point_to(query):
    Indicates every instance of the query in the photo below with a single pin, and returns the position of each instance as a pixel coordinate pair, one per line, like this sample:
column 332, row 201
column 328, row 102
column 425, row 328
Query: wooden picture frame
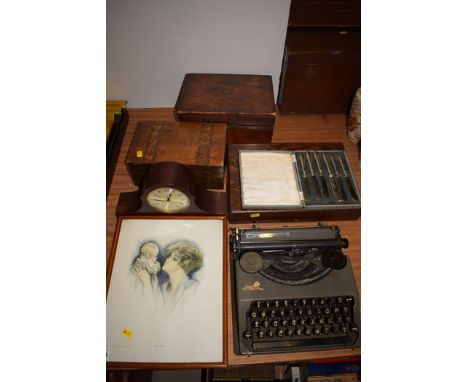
column 167, row 293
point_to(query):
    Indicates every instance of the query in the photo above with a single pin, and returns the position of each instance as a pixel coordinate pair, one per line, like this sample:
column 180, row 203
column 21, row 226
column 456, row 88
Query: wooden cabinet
column 322, row 57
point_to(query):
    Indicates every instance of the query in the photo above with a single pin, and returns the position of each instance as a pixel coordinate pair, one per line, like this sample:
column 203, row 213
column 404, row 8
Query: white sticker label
column 295, row 374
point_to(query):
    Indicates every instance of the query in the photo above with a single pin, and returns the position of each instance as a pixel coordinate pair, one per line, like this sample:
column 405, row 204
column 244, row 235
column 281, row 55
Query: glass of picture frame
column 166, row 287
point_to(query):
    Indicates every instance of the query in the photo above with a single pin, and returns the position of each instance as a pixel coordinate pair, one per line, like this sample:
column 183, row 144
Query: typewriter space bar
column 301, row 343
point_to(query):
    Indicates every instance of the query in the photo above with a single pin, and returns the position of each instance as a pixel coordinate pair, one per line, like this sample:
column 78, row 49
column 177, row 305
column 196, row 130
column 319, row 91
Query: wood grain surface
column 287, row 129
column 200, row 146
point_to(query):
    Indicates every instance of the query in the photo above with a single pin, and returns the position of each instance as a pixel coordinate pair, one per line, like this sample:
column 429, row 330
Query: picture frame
column 166, row 293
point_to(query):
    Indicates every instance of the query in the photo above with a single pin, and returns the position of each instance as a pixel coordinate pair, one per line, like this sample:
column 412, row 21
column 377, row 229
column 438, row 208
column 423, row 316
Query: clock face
column 168, row 200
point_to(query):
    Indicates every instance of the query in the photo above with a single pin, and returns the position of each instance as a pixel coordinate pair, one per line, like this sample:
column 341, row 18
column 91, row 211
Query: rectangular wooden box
column 200, row 146
column 238, row 214
column 245, row 102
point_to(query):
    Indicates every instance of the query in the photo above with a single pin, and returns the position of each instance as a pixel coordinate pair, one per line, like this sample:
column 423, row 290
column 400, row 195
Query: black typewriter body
column 293, row 290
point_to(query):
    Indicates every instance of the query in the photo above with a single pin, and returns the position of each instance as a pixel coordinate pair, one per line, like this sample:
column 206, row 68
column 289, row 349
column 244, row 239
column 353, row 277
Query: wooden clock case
column 172, row 174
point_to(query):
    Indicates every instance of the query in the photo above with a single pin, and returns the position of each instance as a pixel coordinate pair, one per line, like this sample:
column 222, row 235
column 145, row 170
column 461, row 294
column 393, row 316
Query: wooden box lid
column 200, row 146
column 236, row 99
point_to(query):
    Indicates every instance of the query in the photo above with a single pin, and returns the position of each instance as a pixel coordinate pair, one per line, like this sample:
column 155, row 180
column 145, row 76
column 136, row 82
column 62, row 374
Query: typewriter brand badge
column 250, row 288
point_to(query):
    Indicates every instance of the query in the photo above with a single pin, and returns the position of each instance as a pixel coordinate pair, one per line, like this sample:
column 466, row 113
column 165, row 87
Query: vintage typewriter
column 294, row 290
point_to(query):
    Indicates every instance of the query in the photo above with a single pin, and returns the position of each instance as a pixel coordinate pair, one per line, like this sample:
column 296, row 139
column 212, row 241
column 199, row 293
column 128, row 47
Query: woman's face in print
column 172, row 261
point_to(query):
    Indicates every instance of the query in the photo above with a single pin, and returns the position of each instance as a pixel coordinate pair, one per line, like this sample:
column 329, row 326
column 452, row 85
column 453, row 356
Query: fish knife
column 323, row 183
column 305, row 189
column 348, row 181
column 339, row 180
column 335, row 187
column 313, row 183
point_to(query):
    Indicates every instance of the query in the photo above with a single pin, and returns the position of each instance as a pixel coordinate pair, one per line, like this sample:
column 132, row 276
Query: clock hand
column 169, row 197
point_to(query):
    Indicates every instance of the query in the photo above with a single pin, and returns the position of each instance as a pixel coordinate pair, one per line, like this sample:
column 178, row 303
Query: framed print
column 166, row 292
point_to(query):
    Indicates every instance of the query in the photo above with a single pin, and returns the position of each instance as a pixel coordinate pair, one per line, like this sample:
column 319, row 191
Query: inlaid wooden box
column 245, row 102
column 200, row 146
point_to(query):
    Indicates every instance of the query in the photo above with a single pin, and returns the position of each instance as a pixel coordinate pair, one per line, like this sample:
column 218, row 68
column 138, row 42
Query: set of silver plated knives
column 326, row 178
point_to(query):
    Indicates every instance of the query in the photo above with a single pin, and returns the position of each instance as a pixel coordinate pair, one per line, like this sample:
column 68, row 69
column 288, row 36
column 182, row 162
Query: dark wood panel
column 304, row 100
column 319, row 83
column 325, row 13
column 320, row 69
column 113, row 145
column 323, row 40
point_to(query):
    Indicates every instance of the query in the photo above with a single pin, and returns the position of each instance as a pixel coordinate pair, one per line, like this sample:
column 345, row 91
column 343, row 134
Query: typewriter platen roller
column 294, row 290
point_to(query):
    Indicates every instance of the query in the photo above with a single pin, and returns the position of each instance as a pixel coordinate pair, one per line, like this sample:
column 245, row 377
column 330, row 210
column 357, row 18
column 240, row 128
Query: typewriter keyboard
column 309, row 322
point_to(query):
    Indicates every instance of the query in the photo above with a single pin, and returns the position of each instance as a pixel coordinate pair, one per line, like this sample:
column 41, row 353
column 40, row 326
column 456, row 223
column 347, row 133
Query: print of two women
column 170, row 281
